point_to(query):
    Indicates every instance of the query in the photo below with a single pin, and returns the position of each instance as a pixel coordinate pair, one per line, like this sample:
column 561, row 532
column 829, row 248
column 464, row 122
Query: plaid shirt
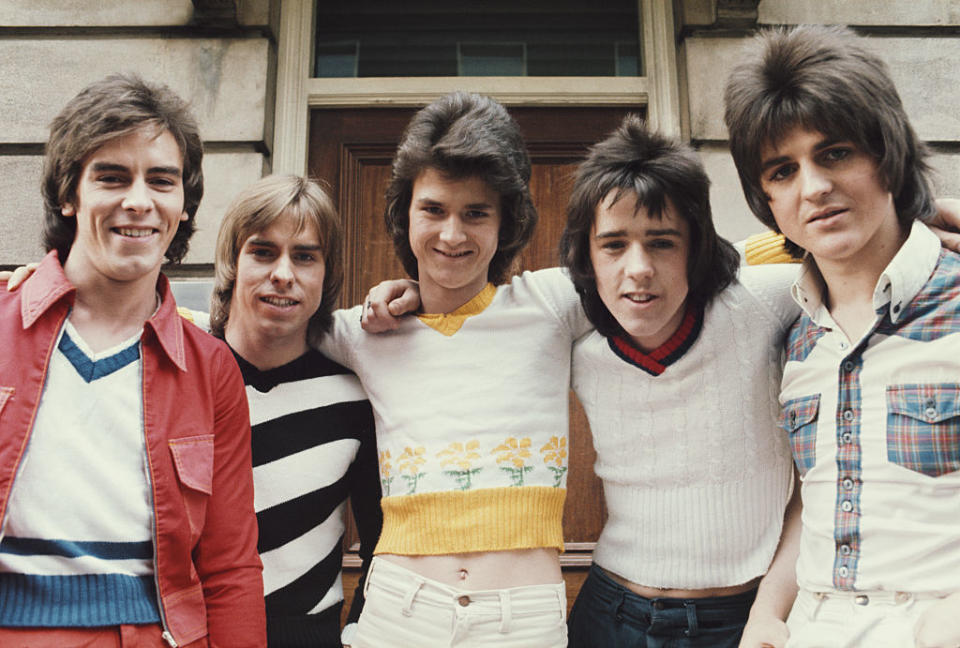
column 874, row 425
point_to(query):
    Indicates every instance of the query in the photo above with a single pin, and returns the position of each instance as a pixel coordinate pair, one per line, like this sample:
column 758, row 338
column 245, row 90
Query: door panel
column 351, row 149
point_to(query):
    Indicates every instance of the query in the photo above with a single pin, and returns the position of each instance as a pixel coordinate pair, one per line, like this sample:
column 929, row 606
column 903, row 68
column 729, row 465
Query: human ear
column 67, row 210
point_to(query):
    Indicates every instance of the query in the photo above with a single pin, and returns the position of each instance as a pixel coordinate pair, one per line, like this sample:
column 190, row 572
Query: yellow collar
column 450, row 323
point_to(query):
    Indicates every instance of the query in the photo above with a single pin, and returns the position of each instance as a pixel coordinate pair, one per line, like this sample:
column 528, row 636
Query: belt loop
column 821, row 597
column 407, row 610
column 693, row 629
column 618, row 611
column 506, row 615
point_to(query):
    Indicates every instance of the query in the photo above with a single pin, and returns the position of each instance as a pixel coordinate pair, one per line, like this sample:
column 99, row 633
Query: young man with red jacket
column 126, row 493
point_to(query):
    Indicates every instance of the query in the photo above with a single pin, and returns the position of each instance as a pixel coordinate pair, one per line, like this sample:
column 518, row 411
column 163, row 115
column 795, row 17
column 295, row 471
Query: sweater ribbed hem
column 487, row 519
column 79, row 601
column 696, row 537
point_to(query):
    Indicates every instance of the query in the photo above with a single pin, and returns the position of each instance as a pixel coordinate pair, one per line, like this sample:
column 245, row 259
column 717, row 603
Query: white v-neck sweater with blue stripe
column 76, row 549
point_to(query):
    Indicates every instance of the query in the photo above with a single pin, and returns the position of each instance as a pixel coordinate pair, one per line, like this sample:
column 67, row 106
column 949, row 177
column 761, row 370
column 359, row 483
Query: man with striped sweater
column 278, row 276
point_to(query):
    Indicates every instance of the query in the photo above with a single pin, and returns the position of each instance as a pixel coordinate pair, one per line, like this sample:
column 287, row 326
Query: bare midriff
column 486, row 570
column 660, row 592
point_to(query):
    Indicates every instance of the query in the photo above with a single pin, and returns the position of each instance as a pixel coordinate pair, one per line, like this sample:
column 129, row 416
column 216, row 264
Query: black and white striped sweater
column 313, row 447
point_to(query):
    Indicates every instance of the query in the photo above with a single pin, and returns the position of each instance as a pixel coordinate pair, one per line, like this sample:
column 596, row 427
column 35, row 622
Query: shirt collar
column 48, row 286
column 908, row 271
column 898, row 284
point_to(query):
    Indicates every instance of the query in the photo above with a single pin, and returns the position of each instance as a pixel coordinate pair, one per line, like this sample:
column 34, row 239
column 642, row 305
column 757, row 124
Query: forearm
column 778, row 588
column 766, row 627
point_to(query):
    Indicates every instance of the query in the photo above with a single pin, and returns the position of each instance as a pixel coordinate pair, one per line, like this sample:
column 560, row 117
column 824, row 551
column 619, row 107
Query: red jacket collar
column 48, row 285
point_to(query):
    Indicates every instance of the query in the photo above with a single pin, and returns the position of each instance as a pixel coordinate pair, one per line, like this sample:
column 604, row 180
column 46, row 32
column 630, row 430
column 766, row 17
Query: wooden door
column 351, row 149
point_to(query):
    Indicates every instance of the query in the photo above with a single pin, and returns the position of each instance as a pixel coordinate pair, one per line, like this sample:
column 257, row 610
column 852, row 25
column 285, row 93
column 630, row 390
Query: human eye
column 477, row 214
column 260, row 253
column 305, row 257
column 780, row 173
column 612, row 245
column 433, row 210
column 110, row 178
column 837, row 153
column 163, row 181
column 662, row 244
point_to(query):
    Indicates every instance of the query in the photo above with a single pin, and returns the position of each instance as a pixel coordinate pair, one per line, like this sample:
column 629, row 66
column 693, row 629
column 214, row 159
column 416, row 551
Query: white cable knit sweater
column 695, row 472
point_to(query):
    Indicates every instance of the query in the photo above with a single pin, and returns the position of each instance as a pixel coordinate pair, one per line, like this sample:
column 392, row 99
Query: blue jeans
column 607, row 615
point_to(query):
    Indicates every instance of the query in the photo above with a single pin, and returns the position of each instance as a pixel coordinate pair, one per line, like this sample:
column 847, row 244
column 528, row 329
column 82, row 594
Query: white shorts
column 406, row 610
column 854, row 619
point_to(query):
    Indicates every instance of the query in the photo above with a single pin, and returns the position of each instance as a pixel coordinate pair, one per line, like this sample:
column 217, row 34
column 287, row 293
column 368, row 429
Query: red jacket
column 197, row 433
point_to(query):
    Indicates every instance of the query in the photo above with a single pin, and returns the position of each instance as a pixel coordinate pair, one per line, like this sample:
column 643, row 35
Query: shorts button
column 464, row 600
column 862, row 599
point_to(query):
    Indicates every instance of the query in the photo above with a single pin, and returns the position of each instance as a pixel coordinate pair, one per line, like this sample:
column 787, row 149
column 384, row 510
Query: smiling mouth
column 640, row 298
column 453, row 255
column 279, row 301
column 134, row 232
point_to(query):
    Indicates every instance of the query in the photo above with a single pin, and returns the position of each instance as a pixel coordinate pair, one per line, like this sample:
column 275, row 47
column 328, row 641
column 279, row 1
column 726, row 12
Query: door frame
column 297, row 92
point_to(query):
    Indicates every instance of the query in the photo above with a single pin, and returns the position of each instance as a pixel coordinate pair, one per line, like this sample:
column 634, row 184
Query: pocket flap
column 796, row 413
column 932, row 402
column 193, row 457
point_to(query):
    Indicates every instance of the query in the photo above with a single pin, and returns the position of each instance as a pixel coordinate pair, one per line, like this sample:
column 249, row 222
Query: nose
column 451, row 231
column 637, row 263
column 282, row 272
column 137, row 198
column 815, row 182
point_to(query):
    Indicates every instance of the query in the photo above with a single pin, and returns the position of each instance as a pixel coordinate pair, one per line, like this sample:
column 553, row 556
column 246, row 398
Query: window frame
column 297, row 92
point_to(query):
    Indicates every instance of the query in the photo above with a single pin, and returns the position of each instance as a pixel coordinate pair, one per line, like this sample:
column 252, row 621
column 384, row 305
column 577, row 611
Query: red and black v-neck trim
column 657, row 361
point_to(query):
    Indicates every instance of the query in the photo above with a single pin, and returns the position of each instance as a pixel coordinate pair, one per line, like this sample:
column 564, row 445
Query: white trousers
column 856, row 619
column 406, row 610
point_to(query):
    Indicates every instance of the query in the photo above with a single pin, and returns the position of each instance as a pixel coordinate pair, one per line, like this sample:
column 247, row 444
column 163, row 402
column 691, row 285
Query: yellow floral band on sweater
column 459, row 461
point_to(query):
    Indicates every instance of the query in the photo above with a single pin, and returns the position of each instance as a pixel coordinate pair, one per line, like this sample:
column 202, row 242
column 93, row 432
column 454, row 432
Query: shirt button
column 848, row 366
column 846, row 437
column 464, row 601
column 847, row 484
column 843, row 345
column 848, row 415
column 846, row 506
column 845, row 550
column 931, row 410
column 843, row 571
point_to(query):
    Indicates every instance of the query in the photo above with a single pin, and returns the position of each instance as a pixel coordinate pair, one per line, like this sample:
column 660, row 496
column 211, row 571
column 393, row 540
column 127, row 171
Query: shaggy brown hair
column 823, row 79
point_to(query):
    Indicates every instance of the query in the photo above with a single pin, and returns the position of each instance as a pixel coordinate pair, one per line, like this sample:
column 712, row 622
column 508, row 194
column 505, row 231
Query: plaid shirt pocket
column 798, row 417
column 923, row 427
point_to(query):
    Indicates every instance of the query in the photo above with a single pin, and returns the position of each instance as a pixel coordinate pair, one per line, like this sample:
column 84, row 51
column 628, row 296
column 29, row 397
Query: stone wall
column 920, row 41
column 50, row 49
